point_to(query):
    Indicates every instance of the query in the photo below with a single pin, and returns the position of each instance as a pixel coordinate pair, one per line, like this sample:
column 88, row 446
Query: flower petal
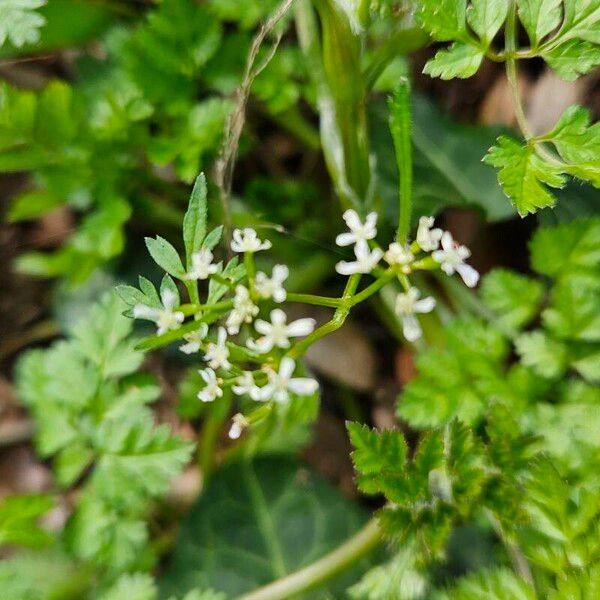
column 301, row 327
column 469, row 275
column 303, row 386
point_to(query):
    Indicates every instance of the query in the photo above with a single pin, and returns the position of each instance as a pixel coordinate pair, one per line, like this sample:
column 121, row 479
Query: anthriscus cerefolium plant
column 487, row 484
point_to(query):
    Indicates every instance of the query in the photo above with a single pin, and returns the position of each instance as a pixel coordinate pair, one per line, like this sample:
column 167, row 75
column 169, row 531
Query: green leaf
column 573, row 59
column 19, row 21
column 39, row 575
column 136, row 457
column 213, row 238
column 445, row 20
column 32, row 205
column 135, row 586
column 375, row 453
column 486, row 17
column 546, row 356
column 523, row 174
column 257, row 522
column 578, row 143
column 103, row 338
column 574, row 311
column 514, row 298
column 18, row 520
column 460, row 60
column 194, row 221
column 582, row 20
column 539, row 17
column 498, row 584
column 165, row 256
column 563, row 249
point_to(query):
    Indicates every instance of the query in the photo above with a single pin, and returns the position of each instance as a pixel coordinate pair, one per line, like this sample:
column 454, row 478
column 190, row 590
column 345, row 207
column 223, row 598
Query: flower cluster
column 241, row 338
column 405, row 259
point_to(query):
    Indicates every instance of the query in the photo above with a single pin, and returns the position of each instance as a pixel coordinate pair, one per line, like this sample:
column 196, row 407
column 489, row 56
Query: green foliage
column 257, row 522
column 92, row 418
column 565, row 34
column 523, row 172
column 18, row 516
column 19, row 21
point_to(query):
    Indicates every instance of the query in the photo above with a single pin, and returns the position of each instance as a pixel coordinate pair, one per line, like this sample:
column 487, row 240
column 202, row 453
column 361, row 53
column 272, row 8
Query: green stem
column 510, row 41
column 338, row 319
column 313, row 299
column 373, row 288
column 210, row 433
column 337, row 561
column 400, row 126
column 510, row 36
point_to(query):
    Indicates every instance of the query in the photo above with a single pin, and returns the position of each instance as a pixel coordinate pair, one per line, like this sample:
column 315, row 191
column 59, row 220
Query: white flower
column 238, row 424
column 406, row 306
column 428, row 238
column 211, row 391
column 281, row 383
column 202, row 265
column 272, row 287
column 244, row 310
column 246, row 240
column 245, row 386
column 278, row 331
column 217, row 355
column 194, row 339
column 400, row 255
column 165, row 318
column 452, row 257
column 359, row 231
column 366, row 260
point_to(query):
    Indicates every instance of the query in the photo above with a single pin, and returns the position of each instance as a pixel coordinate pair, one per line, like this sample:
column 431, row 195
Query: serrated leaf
column 581, row 20
column 515, row 299
column 523, row 174
column 573, row 59
column 539, row 17
column 445, row 20
column 257, row 522
column 136, row 457
column 165, row 256
column 565, row 248
column 194, row 221
column 578, row 143
column 460, row 60
column 135, row 586
column 500, row 584
column 545, row 356
column 486, row 17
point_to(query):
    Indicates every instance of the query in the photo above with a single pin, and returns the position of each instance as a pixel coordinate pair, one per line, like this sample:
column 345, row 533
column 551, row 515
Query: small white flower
column 359, row 231
column 246, row 240
column 202, row 265
column 194, row 339
column 428, row 238
column 272, row 287
column 366, row 260
column 281, row 383
column 211, row 391
column 217, row 355
column 406, row 306
column 244, row 310
column 238, row 424
column 278, row 331
column 165, row 318
column 245, row 386
column 452, row 257
column 399, row 255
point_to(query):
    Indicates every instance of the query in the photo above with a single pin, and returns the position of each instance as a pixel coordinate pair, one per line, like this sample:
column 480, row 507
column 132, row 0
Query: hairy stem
column 337, row 561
